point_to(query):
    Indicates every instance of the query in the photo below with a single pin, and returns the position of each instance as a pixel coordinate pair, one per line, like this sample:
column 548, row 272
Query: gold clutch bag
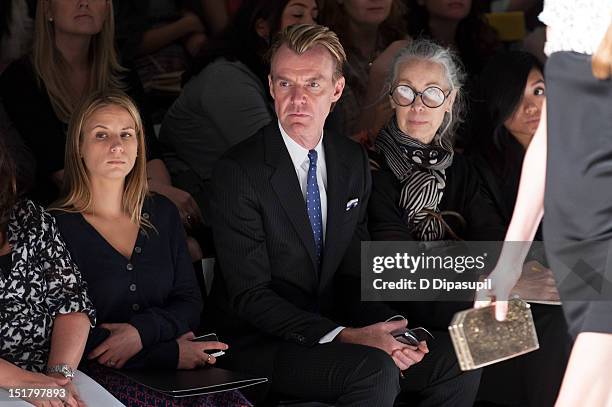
column 480, row 340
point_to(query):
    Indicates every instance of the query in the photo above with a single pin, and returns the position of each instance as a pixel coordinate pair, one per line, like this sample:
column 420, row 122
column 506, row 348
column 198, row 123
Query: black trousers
column 356, row 375
column 437, row 379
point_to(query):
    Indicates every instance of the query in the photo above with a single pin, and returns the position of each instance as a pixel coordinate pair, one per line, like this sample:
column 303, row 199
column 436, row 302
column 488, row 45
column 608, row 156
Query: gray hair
column 427, row 50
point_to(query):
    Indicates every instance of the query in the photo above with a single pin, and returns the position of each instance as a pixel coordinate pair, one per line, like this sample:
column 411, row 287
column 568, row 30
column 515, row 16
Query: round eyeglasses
column 432, row 97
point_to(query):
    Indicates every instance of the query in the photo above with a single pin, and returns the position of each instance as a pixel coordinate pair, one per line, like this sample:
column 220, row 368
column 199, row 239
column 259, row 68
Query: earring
column 50, row 19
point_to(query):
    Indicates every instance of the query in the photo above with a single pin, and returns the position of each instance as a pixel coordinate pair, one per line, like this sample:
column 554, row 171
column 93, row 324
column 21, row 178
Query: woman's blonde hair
column 76, row 190
column 50, row 66
column 601, row 63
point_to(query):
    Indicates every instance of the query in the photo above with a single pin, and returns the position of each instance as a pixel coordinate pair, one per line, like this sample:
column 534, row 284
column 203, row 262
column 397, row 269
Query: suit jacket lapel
column 337, row 184
column 287, row 188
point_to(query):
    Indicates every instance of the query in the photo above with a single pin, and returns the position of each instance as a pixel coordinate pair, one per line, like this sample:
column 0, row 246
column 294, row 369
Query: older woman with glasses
column 421, row 189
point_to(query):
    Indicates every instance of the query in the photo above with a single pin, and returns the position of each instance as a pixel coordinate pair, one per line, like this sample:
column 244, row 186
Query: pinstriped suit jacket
column 267, row 286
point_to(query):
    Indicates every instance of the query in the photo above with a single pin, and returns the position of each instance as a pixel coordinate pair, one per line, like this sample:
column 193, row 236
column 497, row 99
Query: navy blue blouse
column 155, row 290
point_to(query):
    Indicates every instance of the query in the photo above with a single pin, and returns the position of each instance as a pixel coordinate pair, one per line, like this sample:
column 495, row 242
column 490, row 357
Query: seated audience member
column 415, row 197
column 371, row 34
column 45, row 312
column 53, row 90
column 288, row 251
column 130, row 247
column 73, row 57
column 460, row 26
column 227, row 100
column 421, row 189
column 158, row 36
column 508, row 102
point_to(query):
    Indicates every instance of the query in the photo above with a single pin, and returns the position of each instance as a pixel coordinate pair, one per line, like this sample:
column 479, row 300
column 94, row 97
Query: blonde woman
column 570, row 158
column 74, row 56
column 130, row 247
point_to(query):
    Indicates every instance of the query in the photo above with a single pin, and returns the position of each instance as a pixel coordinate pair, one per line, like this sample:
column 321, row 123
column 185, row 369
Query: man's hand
column 123, row 343
column 379, row 336
column 187, row 206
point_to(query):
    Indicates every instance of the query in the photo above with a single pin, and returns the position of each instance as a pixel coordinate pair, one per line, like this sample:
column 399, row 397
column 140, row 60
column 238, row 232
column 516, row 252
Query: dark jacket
column 155, row 290
column 267, row 289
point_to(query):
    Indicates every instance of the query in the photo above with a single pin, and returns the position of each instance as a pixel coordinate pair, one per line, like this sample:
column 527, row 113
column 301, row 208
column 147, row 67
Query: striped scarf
column 420, row 168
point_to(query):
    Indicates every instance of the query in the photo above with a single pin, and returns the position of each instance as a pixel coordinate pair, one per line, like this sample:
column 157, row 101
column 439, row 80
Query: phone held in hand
column 211, row 337
column 412, row 337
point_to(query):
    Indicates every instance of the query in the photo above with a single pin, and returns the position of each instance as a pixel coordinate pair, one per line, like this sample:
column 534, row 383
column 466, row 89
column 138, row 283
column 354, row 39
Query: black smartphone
column 212, row 337
column 412, row 337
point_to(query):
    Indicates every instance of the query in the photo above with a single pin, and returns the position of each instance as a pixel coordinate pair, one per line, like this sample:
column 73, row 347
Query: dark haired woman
column 460, row 26
column 505, row 117
column 227, row 100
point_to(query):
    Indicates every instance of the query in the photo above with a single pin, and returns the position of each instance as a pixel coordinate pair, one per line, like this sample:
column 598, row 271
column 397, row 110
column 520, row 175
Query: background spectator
column 73, row 56
column 371, row 33
column 227, row 99
column 459, row 25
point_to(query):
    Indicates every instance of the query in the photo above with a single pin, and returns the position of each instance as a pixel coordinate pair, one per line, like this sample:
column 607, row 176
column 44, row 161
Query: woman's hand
column 123, row 343
column 193, row 353
column 32, row 380
column 72, row 399
column 503, row 279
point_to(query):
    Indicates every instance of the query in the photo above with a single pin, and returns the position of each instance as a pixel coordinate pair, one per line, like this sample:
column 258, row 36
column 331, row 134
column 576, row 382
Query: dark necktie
column 313, row 204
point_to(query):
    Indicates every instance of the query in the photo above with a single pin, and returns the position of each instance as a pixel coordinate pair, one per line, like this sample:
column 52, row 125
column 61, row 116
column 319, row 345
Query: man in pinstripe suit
column 289, row 213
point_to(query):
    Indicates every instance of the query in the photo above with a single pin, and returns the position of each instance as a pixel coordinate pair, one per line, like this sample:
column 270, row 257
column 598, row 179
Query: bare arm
column 160, row 182
column 10, row 375
column 157, row 174
column 158, row 37
column 68, row 339
column 529, row 207
column 67, row 345
column 528, row 212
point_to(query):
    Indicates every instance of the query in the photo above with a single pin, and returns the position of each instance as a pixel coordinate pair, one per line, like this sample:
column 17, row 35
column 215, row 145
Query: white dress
column 575, row 25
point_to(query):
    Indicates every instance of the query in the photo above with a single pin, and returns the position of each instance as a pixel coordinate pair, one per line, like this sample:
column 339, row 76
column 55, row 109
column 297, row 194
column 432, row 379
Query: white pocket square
column 352, row 203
